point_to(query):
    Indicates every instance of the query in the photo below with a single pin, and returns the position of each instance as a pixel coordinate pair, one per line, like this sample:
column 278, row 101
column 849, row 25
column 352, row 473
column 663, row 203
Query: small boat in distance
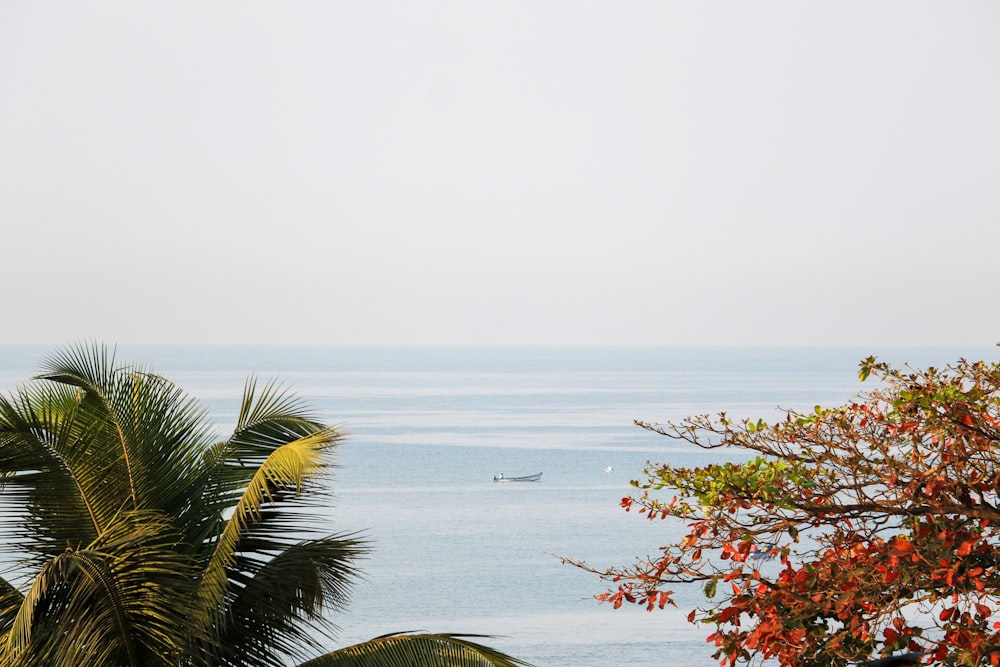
column 526, row 478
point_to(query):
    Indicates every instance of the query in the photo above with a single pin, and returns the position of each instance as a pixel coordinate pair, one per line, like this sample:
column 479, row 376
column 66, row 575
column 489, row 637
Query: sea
column 428, row 428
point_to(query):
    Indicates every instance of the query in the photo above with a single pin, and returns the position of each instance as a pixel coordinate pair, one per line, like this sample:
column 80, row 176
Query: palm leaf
column 151, row 428
column 268, row 419
column 279, row 606
column 118, row 602
column 40, row 441
column 417, row 650
column 286, row 470
column 148, row 543
column 92, row 369
column 10, row 602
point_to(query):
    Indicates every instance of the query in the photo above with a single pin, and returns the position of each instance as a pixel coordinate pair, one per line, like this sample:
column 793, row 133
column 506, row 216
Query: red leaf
column 900, row 546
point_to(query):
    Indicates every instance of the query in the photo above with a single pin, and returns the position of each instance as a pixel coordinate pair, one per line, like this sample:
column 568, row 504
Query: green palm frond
column 120, row 601
column 268, row 418
column 140, row 540
column 92, row 370
column 154, row 577
column 40, row 444
column 150, row 425
column 280, row 606
column 81, row 365
column 417, row 650
column 70, row 459
column 34, row 637
column 285, row 471
column 11, row 600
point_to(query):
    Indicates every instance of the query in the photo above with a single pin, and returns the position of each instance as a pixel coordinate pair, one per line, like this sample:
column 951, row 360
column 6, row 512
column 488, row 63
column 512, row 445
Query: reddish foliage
column 881, row 514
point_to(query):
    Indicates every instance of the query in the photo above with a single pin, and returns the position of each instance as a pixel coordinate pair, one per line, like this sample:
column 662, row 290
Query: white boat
column 525, row 478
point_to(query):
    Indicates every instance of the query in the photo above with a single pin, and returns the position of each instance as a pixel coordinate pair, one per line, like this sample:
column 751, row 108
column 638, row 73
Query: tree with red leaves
column 883, row 517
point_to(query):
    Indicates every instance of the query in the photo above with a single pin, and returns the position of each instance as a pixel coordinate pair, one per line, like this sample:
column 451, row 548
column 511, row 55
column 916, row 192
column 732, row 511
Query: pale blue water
column 429, row 427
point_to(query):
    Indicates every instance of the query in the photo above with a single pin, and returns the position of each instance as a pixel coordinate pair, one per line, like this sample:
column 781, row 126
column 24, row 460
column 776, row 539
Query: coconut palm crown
column 134, row 536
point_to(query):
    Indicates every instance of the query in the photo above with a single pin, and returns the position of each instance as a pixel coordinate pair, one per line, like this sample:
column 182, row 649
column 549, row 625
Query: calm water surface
column 430, row 427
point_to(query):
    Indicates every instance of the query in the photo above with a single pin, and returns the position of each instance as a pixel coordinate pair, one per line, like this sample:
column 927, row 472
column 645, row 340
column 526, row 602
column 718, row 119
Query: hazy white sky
column 551, row 172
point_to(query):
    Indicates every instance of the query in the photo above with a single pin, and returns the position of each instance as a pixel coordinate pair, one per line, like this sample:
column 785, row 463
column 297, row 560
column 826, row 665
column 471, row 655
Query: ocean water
column 430, row 427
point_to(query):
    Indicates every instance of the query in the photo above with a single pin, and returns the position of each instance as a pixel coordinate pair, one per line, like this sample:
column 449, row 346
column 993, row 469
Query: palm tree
column 138, row 537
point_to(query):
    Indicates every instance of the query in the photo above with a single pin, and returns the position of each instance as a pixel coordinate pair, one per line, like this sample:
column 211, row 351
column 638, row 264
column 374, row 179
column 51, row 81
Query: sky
column 543, row 172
